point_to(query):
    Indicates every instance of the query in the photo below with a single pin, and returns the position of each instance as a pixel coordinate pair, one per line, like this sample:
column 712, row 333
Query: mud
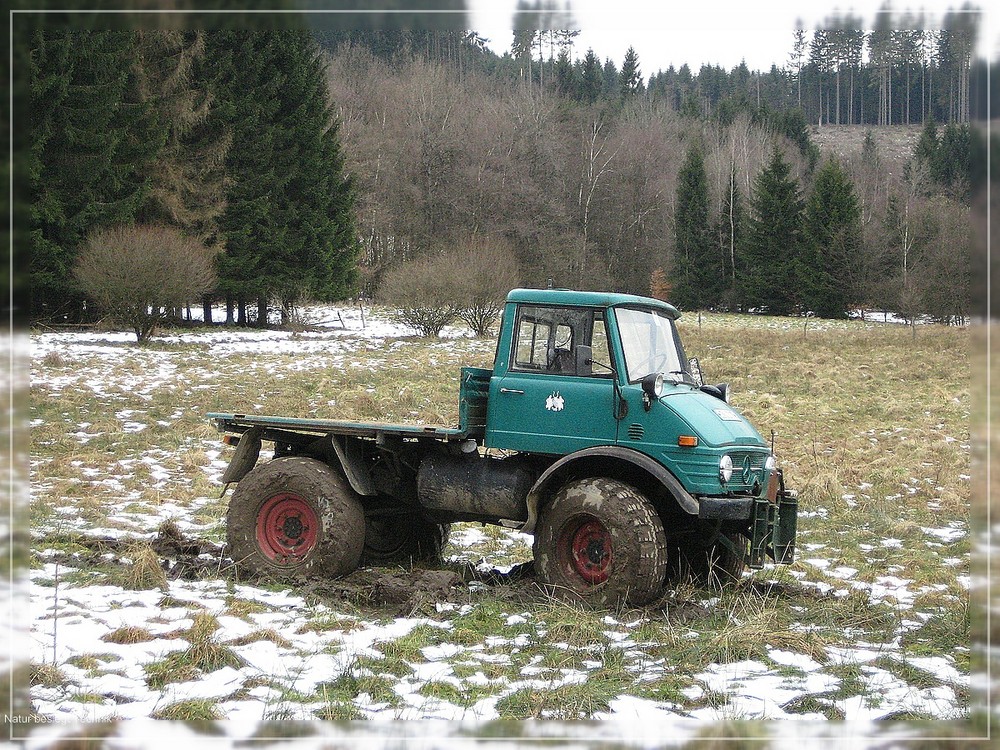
column 416, row 590
column 394, row 591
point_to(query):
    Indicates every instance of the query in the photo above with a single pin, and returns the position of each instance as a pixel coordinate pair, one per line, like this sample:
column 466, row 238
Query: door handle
column 511, row 390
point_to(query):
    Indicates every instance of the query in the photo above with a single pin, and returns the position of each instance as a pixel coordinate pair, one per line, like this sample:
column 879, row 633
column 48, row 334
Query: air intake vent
column 635, row 431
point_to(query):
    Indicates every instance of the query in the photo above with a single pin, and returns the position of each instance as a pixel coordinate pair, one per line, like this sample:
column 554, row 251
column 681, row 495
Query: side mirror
column 584, row 361
column 694, row 367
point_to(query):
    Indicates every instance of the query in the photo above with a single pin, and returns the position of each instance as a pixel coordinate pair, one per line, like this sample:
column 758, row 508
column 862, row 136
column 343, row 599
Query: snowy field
column 120, row 455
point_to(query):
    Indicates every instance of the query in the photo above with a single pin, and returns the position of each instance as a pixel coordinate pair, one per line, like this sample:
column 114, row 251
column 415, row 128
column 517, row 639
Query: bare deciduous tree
column 468, row 282
column 489, row 271
column 138, row 273
column 424, row 293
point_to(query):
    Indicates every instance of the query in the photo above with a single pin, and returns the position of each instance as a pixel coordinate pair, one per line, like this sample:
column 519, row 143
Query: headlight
column 725, row 469
column 652, row 385
column 771, row 463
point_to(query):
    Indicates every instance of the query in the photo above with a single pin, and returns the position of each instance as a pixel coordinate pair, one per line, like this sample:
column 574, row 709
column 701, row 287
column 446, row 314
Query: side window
column 599, row 343
column 546, row 339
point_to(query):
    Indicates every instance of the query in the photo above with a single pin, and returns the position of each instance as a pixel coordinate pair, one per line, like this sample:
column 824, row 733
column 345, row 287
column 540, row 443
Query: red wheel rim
column 588, row 550
column 287, row 529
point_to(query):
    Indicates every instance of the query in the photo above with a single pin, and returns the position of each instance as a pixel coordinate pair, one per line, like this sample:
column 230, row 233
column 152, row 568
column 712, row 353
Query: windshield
column 650, row 342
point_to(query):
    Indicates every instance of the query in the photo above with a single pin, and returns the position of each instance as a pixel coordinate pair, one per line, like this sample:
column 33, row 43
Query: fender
column 245, row 458
column 639, row 460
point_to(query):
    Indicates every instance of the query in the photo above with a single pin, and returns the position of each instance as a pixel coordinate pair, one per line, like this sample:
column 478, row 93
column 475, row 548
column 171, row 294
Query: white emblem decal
column 554, row 402
column 727, row 415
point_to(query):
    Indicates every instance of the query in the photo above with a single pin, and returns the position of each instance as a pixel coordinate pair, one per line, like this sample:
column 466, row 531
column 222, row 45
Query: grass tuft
column 145, row 572
column 46, row 675
column 267, row 634
column 128, row 634
column 190, row 710
column 204, row 654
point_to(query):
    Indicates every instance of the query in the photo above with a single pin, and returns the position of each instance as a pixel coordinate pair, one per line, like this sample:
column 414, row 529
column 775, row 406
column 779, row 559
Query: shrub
column 139, row 273
column 490, row 271
column 469, row 283
column 425, row 293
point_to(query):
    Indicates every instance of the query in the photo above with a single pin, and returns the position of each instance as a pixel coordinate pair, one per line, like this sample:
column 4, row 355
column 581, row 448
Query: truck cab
column 593, row 431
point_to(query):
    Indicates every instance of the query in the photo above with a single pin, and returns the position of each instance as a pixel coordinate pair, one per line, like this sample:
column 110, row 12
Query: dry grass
column 145, row 571
column 267, row 634
column 872, row 426
column 754, row 626
column 128, row 634
column 190, row 710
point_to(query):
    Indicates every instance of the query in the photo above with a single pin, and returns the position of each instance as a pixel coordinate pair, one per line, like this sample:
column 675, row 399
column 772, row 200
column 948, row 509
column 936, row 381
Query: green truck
column 593, row 432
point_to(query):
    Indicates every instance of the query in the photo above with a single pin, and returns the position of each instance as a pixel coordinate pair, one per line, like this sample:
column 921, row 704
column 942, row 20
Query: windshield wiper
column 686, row 377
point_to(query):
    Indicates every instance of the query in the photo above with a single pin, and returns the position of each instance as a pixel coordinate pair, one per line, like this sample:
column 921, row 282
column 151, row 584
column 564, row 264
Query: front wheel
column 602, row 542
column 295, row 517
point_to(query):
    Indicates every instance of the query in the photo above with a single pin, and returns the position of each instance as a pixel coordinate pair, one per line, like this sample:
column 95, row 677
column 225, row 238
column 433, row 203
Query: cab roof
column 588, row 299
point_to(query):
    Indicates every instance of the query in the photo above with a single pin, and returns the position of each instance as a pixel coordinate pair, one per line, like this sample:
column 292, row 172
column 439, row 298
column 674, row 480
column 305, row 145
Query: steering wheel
column 656, row 362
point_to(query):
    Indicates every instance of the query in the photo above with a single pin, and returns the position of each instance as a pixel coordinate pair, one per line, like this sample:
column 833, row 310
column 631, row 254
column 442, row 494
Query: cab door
column 552, row 391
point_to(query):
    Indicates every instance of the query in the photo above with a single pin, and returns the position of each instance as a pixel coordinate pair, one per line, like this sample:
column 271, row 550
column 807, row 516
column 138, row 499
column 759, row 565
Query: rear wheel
column 602, row 542
column 402, row 537
column 295, row 517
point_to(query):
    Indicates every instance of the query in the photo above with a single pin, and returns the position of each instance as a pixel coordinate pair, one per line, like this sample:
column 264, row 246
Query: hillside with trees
column 314, row 164
column 597, row 183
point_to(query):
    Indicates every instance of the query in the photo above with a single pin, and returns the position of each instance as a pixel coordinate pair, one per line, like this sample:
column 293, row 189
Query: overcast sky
column 717, row 32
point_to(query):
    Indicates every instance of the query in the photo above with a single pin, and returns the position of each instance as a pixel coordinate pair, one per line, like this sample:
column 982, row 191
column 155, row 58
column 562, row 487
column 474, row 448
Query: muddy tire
column 600, row 541
column 293, row 518
column 402, row 538
column 712, row 566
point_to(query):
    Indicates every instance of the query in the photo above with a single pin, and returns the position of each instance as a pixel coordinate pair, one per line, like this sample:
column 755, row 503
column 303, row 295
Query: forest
column 314, row 163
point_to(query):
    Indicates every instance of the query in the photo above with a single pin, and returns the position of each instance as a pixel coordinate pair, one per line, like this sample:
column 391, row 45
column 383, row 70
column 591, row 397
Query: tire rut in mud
column 392, row 591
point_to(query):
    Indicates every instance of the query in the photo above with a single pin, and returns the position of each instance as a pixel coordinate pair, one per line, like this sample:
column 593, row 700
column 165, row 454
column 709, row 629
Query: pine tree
column 611, row 88
column 288, row 221
column 91, row 148
column 630, row 77
column 696, row 275
column 322, row 244
column 247, row 85
column 797, row 56
column 592, row 78
column 567, row 82
column 832, row 241
column 772, row 253
column 926, row 148
column 187, row 181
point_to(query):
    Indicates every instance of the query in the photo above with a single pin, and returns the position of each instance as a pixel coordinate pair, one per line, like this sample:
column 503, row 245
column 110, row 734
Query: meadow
column 135, row 613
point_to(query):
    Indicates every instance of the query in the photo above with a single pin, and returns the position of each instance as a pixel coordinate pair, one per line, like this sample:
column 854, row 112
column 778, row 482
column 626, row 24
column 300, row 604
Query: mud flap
column 245, row 458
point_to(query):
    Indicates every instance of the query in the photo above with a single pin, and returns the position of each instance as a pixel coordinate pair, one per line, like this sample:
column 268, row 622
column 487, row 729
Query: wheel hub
column 287, row 529
column 591, row 552
column 293, row 527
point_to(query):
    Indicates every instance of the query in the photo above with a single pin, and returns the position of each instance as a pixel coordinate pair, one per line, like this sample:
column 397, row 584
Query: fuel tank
column 474, row 487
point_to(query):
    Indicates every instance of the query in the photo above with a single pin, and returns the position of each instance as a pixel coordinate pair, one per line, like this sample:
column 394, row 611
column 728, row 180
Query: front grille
column 756, row 459
column 756, row 473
